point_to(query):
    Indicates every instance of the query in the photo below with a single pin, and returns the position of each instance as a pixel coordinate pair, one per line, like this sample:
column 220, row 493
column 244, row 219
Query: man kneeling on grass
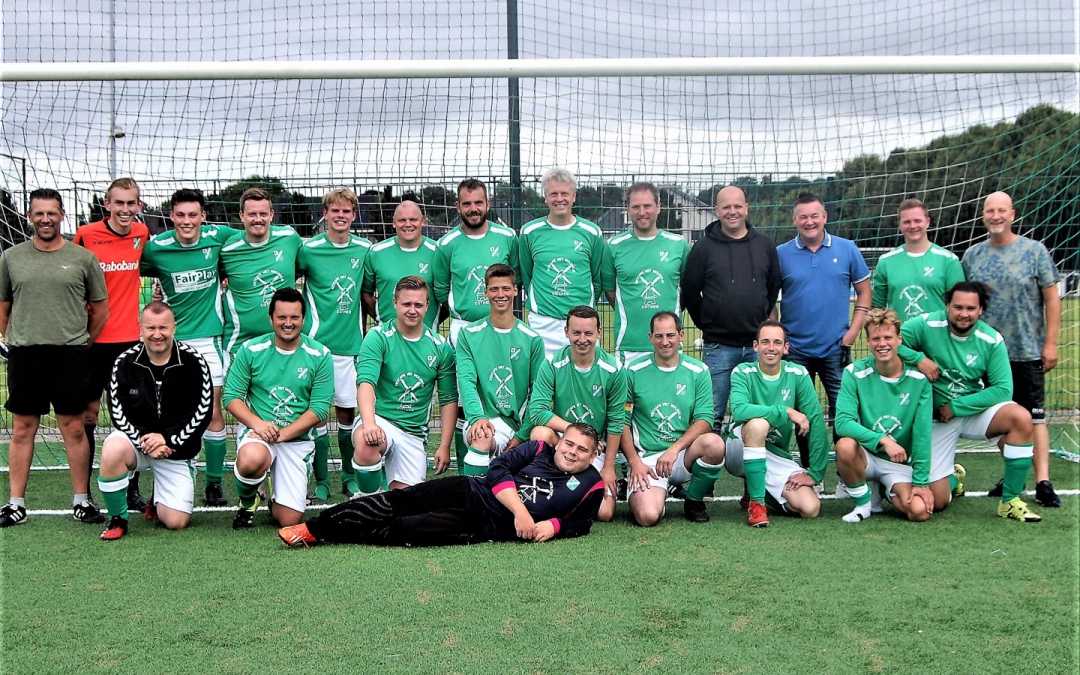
column 883, row 415
column 534, row 492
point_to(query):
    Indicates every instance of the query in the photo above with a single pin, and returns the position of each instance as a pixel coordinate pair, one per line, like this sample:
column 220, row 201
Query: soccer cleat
column 1045, row 495
column 756, row 515
column 960, row 472
column 858, row 514
column 622, row 486
column 296, row 535
column 12, row 514
column 151, row 511
column 841, row 489
column 1018, row 510
column 135, row 501
column 245, row 518
column 695, row 511
column 996, row 490
column 88, row 512
column 215, row 496
column 117, row 528
column 676, row 491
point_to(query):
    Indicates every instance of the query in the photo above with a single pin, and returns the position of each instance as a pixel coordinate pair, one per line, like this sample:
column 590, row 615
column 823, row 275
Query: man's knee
column 117, row 455
column 710, row 448
column 755, row 431
column 252, row 460
column 24, row 428
column 846, row 450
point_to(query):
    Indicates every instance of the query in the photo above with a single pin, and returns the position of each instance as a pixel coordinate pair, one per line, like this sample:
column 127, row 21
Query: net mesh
column 862, row 142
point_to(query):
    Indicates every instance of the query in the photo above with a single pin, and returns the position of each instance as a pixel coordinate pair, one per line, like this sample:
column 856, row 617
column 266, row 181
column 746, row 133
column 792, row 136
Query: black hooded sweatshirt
column 730, row 285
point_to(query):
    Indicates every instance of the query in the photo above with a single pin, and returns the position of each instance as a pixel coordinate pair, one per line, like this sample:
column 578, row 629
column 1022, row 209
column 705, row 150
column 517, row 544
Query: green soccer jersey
column 333, row 274
column 496, row 368
column 871, row 407
column 561, row 265
column 254, row 272
column 387, row 263
column 460, row 262
column 644, row 274
column 279, row 386
column 596, row 396
column 189, row 279
column 405, row 373
column 915, row 283
column 756, row 395
column 975, row 371
column 666, row 401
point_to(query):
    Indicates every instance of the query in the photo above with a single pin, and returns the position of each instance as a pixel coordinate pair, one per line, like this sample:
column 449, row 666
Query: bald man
column 730, row 286
column 1026, row 309
column 409, row 253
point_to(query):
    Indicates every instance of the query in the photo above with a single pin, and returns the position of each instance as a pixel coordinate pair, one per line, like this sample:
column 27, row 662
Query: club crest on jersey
column 354, row 263
column 905, row 398
column 666, row 414
column 431, row 360
column 423, row 268
column 279, row 256
column 515, row 353
column 650, row 294
column 955, row 380
column 502, row 375
column 664, row 256
column 578, row 245
column 206, row 253
column 561, row 283
column 301, row 373
column 344, row 286
column 494, row 251
column 135, row 243
column 598, row 390
column 928, row 271
column 267, row 282
column 283, row 399
column 970, row 359
column 573, row 483
column 786, row 393
column 579, row 412
column 409, row 383
column 680, row 389
column 887, row 424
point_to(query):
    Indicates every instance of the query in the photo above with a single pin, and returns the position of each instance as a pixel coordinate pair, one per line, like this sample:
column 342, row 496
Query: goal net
column 863, row 142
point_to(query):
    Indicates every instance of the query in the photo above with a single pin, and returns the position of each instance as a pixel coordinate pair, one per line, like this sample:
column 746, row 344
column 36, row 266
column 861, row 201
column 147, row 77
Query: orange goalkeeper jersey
column 119, row 257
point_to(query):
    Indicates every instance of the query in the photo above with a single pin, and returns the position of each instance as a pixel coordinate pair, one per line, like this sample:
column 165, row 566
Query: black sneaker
column 88, row 512
column 215, row 496
column 1045, row 495
column 996, row 490
column 245, row 518
column 677, row 491
column 12, row 514
column 136, row 502
column 621, row 488
column 695, row 511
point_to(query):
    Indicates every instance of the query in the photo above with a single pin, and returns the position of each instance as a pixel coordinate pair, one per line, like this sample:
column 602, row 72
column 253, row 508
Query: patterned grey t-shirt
column 1016, row 273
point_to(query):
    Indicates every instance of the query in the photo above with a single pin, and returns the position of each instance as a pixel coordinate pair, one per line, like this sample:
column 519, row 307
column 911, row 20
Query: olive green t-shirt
column 48, row 292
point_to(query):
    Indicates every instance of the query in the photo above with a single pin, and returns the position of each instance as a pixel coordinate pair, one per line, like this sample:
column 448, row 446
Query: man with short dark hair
column 535, row 492
column 279, row 386
column 1026, row 309
column 45, row 286
column 160, row 401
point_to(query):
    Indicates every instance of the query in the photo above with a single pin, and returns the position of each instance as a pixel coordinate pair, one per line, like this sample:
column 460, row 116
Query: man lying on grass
column 534, row 492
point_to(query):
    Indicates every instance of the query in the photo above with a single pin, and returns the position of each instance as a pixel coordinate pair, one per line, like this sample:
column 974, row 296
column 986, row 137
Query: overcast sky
column 691, row 131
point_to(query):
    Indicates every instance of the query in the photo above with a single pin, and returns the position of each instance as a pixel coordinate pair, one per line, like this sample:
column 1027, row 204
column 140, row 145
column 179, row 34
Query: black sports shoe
column 215, row 496
column 11, row 514
column 244, row 520
column 1045, row 495
column 621, row 488
column 136, row 502
column 996, row 490
column 677, row 491
column 88, row 512
column 695, row 511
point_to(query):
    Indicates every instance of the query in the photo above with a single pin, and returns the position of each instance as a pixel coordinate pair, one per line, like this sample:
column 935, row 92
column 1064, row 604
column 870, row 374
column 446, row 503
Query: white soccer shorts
column 552, row 330
column 174, row 479
column 210, row 349
column 679, row 473
column 344, row 381
column 289, row 470
column 406, row 455
column 945, row 436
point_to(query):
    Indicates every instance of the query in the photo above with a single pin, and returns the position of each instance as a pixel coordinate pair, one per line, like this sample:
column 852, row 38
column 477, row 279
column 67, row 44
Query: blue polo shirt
column 815, row 304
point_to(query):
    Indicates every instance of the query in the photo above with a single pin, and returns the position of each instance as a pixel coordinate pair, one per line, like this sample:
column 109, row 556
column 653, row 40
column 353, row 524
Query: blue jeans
column 721, row 360
column 830, row 369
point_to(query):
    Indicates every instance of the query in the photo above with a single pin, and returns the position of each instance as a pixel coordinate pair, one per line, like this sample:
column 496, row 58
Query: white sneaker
column 858, row 514
column 841, row 489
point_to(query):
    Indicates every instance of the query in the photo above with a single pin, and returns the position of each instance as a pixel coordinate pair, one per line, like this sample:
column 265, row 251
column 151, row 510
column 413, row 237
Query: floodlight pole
column 514, row 110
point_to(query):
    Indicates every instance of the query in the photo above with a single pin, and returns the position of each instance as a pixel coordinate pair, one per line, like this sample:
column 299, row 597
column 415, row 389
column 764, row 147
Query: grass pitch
column 964, row 593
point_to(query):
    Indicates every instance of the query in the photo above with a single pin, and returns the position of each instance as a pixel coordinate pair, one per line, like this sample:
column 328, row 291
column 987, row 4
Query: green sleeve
column 514, row 260
column 807, row 402
column 525, row 262
column 440, row 274
column 848, row 424
column 368, row 283
column 600, row 255
column 322, row 390
column 616, row 403
column 537, row 359
column 146, row 264
column 237, row 379
column 743, row 409
column 912, row 334
column 921, row 437
column 369, row 362
column 999, row 388
column 466, row 380
column 704, row 408
column 447, row 378
column 954, row 273
column 542, row 396
column 881, row 287
column 607, row 272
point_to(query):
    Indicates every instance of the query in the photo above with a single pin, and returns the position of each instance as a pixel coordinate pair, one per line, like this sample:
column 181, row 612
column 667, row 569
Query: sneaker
column 695, row 511
column 858, row 514
column 677, row 491
column 756, row 515
column 1045, row 495
column 88, row 512
column 622, row 486
column 744, row 501
column 996, row 490
column 960, row 472
column 245, row 518
column 12, row 514
column 841, row 489
column 151, row 511
column 117, row 528
column 296, row 535
column 135, row 501
column 1018, row 510
column 215, row 496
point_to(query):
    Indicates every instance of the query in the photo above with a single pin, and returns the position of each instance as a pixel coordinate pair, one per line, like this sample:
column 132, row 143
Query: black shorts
column 102, row 356
column 1029, row 388
column 40, row 375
